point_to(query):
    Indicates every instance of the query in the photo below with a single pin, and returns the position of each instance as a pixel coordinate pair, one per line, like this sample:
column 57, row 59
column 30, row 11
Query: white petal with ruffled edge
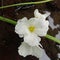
column 21, row 27
column 39, row 15
column 24, row 49
column 32, row 39
column 41, row 26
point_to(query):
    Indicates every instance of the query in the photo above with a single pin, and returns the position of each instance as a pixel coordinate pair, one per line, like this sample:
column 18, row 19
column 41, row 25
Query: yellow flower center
column 31, row 28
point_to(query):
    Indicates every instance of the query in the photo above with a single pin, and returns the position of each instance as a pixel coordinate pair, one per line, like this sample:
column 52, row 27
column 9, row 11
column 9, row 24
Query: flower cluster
column 31, row 30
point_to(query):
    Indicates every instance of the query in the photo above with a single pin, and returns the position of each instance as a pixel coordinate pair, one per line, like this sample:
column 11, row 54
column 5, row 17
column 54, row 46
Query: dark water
column 9, row 41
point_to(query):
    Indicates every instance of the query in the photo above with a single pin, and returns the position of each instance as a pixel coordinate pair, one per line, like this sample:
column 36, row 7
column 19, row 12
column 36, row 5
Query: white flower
column 26, row 49
column 33, row 28
column 30, row 30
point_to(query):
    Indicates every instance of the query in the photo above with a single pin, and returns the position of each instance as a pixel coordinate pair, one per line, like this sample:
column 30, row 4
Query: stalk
column 26, row 3
column 53, row 38
column 8, row 20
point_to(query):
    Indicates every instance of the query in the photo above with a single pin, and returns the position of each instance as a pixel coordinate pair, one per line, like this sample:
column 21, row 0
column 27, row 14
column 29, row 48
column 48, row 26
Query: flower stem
column 14, row 23
column 8, row 20
column 52, row 38
column 26, row 3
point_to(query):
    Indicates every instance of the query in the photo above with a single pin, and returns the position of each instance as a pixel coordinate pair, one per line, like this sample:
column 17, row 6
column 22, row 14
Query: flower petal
column 35, row 21
column 21, row 27
column 46, row 14
column 41, row 32
column 42, row 29
column 24, row 49
column 37, row 14
column 21, row 35
column 23, row 20
column 38, row 22
column 41, row 26
column 32, row 39
column 37, row 51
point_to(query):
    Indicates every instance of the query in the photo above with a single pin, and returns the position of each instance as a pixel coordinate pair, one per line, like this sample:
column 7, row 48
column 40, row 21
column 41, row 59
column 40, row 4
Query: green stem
column 52, row 38
column 7, row 20
column 27, row 3
column 14, row 23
